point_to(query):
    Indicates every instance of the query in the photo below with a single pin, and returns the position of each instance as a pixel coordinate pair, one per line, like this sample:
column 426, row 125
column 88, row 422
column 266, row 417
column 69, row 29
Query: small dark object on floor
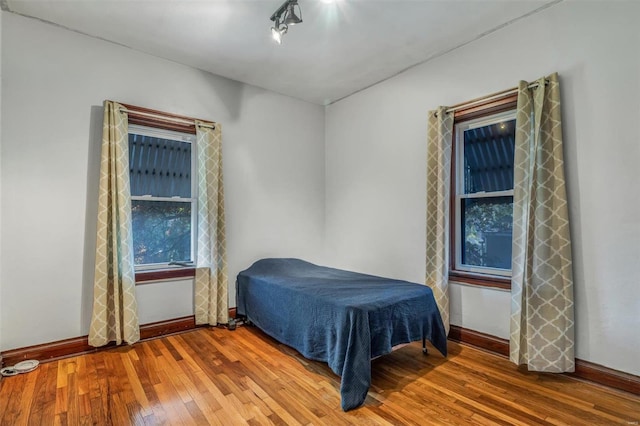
column 232, row 324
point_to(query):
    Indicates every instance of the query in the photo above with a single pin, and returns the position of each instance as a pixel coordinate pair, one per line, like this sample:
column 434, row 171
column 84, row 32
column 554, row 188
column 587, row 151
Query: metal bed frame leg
column 244, row 320
column 424, row 347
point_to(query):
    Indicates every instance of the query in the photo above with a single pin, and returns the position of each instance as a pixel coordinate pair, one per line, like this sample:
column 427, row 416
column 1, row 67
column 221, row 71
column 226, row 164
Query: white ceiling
column 342, row 46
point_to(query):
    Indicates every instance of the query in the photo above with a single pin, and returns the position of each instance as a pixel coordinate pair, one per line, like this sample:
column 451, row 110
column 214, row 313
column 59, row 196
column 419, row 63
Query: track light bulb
column 277, row 32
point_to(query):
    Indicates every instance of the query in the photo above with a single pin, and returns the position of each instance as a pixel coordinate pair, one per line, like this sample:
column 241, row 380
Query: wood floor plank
column 73, row 402
column 202, row 400
column 43, row 401
column 282, row 412
column 171, row 400
column 136, row 385
column 217, row 377
column 256, row 404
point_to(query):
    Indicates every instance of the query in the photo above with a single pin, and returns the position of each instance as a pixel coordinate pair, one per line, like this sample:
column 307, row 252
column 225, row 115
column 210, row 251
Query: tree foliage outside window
column 488, row 226
column 161, row 231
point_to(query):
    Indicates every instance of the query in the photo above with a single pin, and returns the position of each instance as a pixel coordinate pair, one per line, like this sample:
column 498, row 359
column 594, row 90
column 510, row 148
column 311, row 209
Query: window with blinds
column 162, row 196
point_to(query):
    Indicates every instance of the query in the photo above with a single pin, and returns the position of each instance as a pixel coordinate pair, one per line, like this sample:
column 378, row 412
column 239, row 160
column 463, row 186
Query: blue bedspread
column 339, row 317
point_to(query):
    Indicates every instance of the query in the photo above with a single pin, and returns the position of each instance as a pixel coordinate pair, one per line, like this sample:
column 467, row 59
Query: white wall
column 54, row 83
column 375, row 166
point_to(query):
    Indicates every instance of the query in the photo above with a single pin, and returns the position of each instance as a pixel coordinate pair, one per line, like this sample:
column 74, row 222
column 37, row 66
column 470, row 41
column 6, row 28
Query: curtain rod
column 166, row 118
column 490, row 97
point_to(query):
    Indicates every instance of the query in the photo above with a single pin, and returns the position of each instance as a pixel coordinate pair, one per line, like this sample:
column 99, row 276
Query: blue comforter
column 339, row 317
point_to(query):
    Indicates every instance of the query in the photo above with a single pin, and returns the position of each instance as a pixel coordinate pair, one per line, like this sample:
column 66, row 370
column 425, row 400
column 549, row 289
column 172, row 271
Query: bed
column 339, row 317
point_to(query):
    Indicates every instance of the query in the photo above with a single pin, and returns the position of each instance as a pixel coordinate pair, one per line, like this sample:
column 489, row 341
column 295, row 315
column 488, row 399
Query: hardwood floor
column 221, row 377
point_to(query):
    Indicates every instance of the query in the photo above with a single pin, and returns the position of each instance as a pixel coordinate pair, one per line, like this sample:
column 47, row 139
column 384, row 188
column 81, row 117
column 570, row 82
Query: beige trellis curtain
column 211, row 304
column 438, row 187
column 542, row 322
column 115, row 313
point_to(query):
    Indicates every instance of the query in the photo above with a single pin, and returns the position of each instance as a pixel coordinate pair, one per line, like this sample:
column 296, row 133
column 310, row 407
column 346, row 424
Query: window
column 482, row 194
column 163, row 201
column 162, row 160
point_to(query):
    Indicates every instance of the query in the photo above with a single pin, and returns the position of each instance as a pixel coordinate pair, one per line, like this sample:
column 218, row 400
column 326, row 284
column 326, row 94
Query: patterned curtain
column 211, row 304
column 115, row 312
column 438, row 187
column 542, row 323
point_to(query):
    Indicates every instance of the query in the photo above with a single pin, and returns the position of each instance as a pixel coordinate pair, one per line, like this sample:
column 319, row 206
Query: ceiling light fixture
column 284, row 16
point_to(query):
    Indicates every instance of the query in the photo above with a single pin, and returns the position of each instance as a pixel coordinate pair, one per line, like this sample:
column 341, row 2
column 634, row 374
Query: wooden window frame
column 492, row 106
column 160, row 119
column 144, row 277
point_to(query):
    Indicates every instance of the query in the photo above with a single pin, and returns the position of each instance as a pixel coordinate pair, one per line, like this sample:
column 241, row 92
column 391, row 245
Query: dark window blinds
column 159, row 167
